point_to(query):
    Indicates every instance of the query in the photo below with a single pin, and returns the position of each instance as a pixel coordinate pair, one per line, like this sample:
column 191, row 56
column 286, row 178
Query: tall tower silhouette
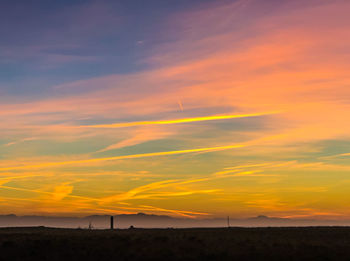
column 112, row 222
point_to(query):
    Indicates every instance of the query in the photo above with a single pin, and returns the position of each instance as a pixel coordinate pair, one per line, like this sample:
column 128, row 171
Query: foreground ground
column 318, row 243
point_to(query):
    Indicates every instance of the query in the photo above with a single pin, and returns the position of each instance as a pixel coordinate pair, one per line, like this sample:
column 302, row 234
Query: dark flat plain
column 308, row 243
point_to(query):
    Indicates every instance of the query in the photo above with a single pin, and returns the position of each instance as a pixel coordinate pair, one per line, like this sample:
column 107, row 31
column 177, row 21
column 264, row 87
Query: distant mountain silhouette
column 142, row 220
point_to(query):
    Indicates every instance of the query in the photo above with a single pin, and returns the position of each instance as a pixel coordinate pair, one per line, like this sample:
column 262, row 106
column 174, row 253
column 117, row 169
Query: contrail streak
column 133, row 156
column 184, row 120
column 180, row 105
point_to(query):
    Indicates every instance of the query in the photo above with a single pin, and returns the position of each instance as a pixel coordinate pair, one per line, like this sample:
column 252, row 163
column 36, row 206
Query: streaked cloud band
column 133, row 156
column 177, row 121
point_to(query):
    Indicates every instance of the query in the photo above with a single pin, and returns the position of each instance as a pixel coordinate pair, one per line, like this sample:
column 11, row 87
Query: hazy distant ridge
column 156, row 221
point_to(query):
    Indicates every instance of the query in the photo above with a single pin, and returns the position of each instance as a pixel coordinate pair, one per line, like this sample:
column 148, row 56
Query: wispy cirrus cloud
column 134, row 156
column 140, row 136
column 177, row 121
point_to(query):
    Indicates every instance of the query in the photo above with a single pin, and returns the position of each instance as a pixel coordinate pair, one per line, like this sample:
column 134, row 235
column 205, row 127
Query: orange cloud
column 62, row 191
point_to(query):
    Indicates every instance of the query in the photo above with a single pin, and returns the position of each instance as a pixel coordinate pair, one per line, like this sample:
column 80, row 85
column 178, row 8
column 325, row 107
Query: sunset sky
column 197, row 109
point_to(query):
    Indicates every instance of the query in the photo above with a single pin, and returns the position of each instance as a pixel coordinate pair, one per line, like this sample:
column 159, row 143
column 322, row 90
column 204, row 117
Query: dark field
column 313, row 243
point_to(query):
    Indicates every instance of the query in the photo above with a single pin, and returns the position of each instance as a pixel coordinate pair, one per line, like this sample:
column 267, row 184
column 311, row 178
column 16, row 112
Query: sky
column 194, row 109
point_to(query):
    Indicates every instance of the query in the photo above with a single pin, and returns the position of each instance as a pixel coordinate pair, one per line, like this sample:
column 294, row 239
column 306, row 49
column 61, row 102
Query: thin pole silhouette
column 228, row 221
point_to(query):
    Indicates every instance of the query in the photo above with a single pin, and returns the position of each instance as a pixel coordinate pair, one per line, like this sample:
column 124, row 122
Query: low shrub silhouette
column 314, row 243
